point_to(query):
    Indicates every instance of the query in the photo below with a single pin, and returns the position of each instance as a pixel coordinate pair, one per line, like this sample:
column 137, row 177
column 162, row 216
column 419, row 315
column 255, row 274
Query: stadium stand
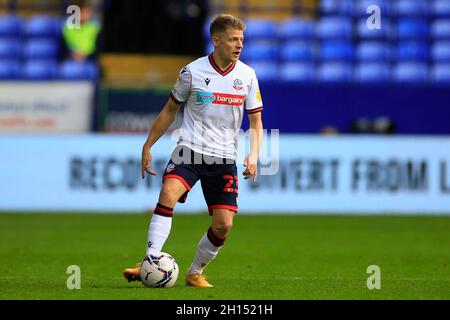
column 39, row 70
column 441, row 73
column 10, row 26
column 73, row 70
column 30, row 43
column 410, row 72
column 319, row 43
column 267, row 70
column 296, row 28
column 261, row 29
column 440, row 52
column 42, row 27
column 308, row 37
column 411, row 8
column 10, row 48
column 40, row 49
column 297, row 50
column 9, row 69
column 440, row 8
column 368, row 51
column 372, row 72
column 334, row 72
column 297, row 72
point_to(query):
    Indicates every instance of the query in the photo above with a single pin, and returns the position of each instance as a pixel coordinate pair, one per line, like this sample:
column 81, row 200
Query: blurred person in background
column 81, row 44
column 216, row 89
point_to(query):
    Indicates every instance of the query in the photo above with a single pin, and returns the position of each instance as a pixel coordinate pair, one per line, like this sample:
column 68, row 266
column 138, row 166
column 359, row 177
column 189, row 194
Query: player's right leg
column 178, row 179
column 161, row 222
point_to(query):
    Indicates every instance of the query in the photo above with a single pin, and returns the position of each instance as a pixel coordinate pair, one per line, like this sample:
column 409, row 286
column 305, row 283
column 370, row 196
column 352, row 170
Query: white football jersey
column 214, row 105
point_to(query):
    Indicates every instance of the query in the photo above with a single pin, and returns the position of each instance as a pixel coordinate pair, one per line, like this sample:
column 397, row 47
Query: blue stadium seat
column 440, row 29
column 297, row 72
column 410, row 72
column 365, row 33
column 334, row 28
column 411, row 8
column 41, row 49
column 9, row 69
column 336, row 51
column 372, row 72
column 296, row 29
column 261, row 29
column 362, row 5
column 297, row 51
column 261, row 50
column 335, row 72
column 73, row 70
column 265, row 70
column 440, row 51
column 10, row 26
column 333, row 7
column 440, row 8
column 43, row 27
column 39, row 70
column 412, row 51
column 10, row 48
column 440, row 73
column 412, row 28
column 373, row 51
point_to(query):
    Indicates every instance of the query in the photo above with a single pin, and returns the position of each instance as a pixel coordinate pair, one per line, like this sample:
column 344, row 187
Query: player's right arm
column 162, row 122
column 166, row 117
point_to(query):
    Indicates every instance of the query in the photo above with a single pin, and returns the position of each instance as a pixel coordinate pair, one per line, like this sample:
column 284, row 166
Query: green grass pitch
column 265, row 257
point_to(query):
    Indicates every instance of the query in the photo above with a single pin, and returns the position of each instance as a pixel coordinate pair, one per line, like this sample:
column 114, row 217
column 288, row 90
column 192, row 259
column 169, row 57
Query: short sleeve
column 181, row 89
column 253, row 103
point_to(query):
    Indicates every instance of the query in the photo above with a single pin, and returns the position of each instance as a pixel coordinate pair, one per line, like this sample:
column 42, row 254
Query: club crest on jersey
column 170, row 167
column 237, row 84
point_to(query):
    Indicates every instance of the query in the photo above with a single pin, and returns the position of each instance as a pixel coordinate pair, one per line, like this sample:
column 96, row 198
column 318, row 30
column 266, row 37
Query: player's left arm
column 256, row 137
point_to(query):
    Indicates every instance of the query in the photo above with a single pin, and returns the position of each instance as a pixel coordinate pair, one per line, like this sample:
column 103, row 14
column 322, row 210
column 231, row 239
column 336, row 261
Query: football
column 159, row 271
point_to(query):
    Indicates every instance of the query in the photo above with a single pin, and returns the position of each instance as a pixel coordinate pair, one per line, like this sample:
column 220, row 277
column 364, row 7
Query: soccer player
column 216, row 90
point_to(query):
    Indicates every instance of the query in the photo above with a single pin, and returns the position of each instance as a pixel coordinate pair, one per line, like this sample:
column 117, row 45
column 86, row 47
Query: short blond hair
column 222, row 22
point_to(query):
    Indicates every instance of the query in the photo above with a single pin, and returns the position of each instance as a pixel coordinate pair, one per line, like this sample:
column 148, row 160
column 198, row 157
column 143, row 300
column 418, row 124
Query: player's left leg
column 220, row 188
column 209, row 246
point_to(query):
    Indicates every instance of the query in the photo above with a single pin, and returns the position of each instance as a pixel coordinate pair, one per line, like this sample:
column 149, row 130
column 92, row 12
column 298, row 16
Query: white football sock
column 158, row 232
column 206, row 252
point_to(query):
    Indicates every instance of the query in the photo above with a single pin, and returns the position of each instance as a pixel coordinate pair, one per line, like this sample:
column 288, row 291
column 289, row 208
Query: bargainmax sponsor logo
column 235, row 100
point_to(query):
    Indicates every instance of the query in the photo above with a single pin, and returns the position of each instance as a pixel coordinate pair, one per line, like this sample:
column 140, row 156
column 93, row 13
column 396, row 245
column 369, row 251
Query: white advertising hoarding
column 343, row 175
column 46, row 107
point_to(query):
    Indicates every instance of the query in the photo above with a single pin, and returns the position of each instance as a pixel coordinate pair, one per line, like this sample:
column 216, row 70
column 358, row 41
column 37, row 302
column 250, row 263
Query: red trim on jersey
column 174, row 99
column 216, row 67
column 254, row 110
column 188, row 187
